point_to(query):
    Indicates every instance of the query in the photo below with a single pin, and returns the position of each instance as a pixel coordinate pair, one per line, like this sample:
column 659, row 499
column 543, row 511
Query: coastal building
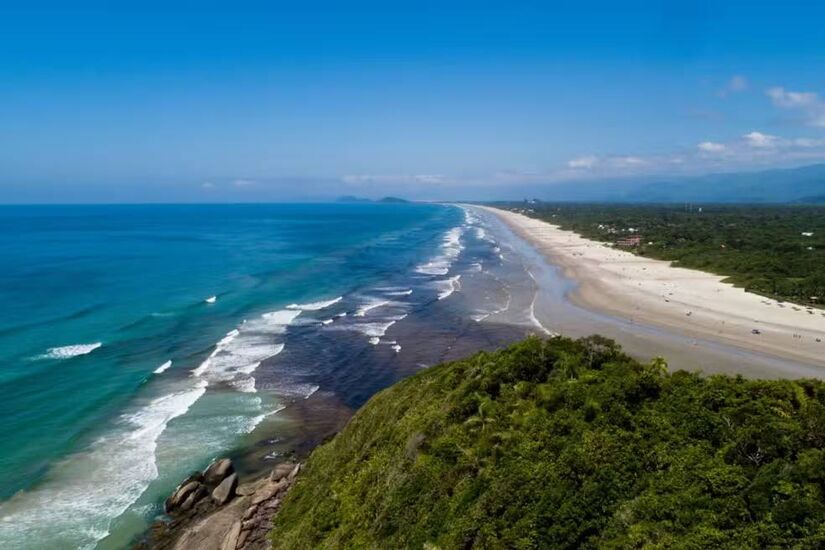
column 630, row 241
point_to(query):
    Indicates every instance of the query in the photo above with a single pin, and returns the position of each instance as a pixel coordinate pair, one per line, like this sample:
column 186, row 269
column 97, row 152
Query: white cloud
column 790, row 100
column 243, row 183
column 809, row 104
column 711, row 147
column 735, row 85
column 208, row 185
column 583, row 163
column 429, row 178
column 381, row 179
column 759, row 140
column 808, row 142
column 628, row 162
column 738, row 83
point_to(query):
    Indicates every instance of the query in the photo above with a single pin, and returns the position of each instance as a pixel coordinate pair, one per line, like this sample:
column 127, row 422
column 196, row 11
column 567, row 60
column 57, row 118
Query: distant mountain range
column 797, row 185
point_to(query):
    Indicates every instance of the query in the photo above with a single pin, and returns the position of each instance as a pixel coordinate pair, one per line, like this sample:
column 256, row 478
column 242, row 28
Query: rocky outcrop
column 238, row 516
column 224, row 492
column 192, row 490
column 218, row 471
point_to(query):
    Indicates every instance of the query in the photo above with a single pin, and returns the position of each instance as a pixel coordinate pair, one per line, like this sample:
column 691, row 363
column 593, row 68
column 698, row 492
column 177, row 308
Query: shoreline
column 655, row 293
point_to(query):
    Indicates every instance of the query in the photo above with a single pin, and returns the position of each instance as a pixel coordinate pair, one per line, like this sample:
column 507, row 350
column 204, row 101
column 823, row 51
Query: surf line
column 533, row 317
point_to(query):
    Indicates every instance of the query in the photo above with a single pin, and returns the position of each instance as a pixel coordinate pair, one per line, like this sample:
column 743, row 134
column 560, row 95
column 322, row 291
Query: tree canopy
column 568, row 444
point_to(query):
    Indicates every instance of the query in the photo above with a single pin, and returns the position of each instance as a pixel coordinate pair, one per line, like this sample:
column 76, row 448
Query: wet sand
column 690, row 317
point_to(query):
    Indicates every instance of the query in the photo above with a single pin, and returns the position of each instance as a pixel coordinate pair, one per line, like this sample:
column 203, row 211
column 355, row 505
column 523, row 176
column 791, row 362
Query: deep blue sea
column 139, row 342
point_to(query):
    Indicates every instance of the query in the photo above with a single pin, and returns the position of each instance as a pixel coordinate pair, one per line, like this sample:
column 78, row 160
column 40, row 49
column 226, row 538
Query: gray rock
column 180, row 495
column 224, row 492
column 249, row 512
column 268, row 491
column 293, row 473
column 246, row 489
column 280, row 471
column 193, row 498
column 230, row 541
column 272, row 504
column 242, row 539
column 218, row 471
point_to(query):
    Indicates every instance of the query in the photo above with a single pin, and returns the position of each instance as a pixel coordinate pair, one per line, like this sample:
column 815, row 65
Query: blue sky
column 204, row 101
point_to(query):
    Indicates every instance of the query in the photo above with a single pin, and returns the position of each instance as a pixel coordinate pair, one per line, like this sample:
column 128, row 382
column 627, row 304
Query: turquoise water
column 98, row 300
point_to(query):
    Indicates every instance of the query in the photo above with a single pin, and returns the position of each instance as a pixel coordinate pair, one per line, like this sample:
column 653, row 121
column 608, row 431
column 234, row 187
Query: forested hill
column 568, row 444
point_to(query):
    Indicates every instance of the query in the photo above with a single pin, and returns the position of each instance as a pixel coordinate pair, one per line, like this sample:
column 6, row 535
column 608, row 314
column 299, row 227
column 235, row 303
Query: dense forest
column 777, row 251
column 568, row 444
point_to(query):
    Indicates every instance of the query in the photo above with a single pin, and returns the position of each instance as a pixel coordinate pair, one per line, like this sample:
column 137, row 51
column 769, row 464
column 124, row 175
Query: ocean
column 140, row 342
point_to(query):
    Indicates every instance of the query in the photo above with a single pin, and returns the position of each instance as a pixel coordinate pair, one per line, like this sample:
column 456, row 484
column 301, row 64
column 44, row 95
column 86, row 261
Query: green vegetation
column 760, row 248
column 568, row 444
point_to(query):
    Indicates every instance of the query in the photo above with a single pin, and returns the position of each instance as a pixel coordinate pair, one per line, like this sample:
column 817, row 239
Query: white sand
column 691, row 302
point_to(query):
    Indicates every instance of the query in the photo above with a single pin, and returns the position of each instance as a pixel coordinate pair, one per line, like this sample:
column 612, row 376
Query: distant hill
column 352, row 198
column 805, row 184
column 818, row 199
column 385, row 200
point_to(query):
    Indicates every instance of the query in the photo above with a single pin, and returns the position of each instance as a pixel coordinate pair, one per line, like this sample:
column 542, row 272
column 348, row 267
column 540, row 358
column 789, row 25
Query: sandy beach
column 694, row 303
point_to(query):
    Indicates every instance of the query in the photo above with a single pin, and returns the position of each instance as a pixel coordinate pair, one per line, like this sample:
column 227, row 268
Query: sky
column 148, row 101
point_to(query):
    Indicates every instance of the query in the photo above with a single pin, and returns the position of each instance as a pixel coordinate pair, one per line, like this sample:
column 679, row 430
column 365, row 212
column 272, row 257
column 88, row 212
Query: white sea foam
column 163, row 367
column 406, row 292
column 238, row 354
column 370, row 305
column 448, row 286
column 87, row 491
column 281, row 318
column 469, row 217
column 246, row 385
column 315, row 306
column 373, row 330
column 311, row 391
column 211, row 300
column 327, row 321
column 450, row 249
column 436, row 267
column 67, row 352
column 397, row 348
column 532, row 311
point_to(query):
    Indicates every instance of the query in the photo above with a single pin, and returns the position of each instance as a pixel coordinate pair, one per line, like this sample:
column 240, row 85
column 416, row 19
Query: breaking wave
column 67, row 352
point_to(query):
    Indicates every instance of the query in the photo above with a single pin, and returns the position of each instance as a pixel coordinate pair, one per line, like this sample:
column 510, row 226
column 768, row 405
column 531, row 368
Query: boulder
column 291, row 477
column 268, row 491
column 251, row 511
column 193, row 498
column 216, row 472
column 245, row 489
column 280, row 471
column 224, row 492
column 181, row 494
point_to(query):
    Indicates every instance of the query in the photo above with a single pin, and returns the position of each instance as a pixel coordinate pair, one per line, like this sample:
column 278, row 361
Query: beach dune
column 654, row 292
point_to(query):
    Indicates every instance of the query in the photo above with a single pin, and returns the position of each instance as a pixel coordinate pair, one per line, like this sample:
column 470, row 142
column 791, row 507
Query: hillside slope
column 568, row 444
